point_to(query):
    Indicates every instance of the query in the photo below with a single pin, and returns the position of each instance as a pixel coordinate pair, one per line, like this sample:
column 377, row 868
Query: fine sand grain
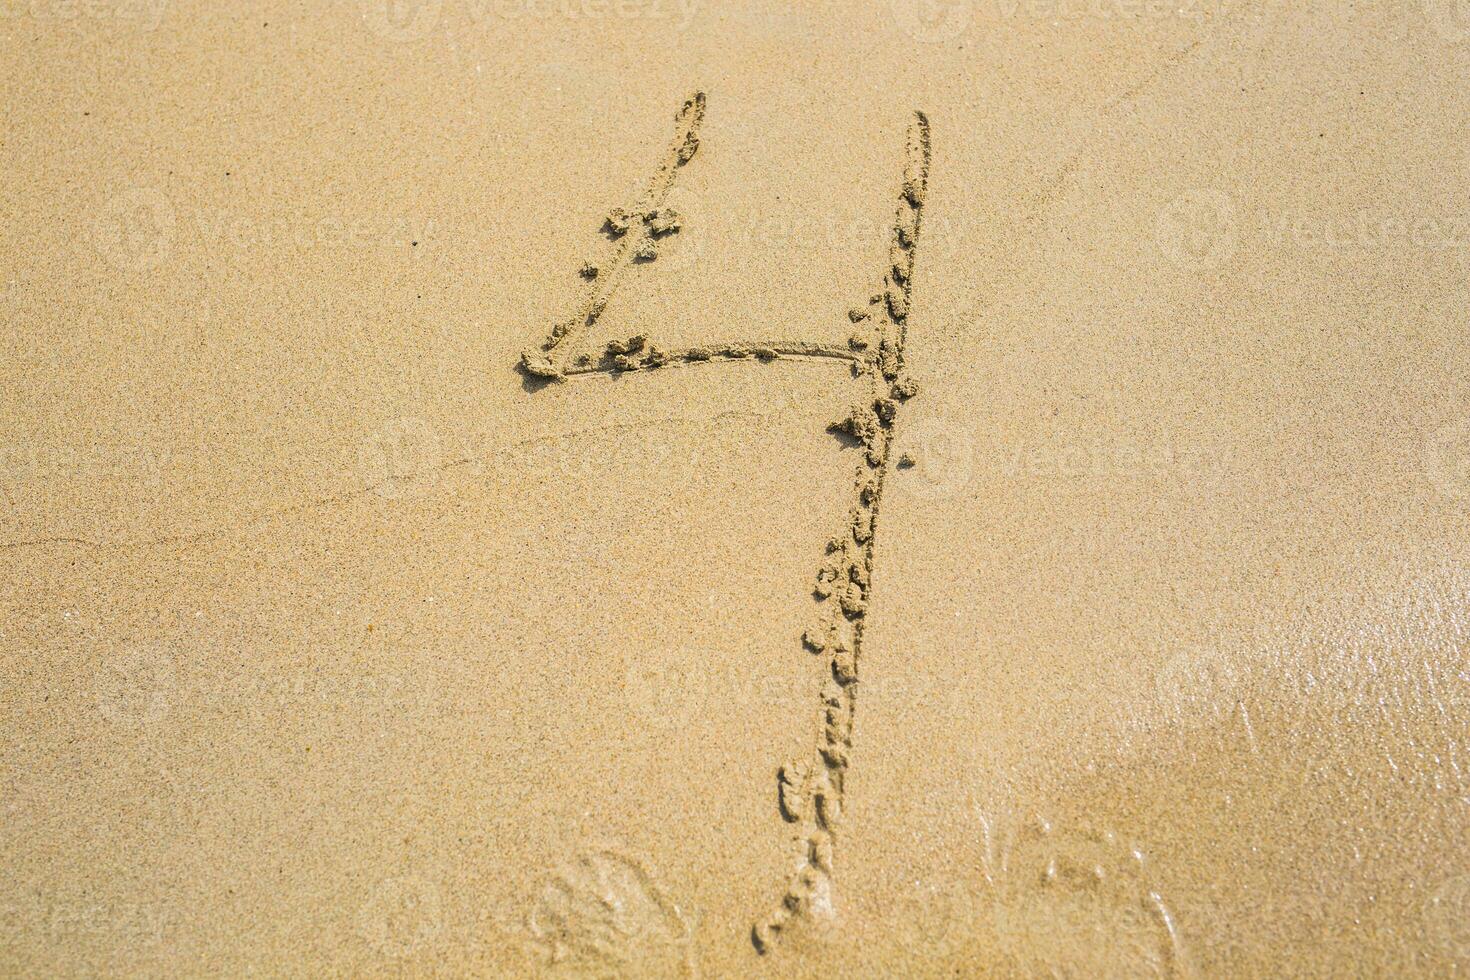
column 671, row 489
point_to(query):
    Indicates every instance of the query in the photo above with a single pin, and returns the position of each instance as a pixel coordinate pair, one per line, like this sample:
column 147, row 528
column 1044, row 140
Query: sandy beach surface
column 362, row 612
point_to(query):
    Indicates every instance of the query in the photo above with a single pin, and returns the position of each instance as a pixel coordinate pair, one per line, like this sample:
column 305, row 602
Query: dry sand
column 335, row 643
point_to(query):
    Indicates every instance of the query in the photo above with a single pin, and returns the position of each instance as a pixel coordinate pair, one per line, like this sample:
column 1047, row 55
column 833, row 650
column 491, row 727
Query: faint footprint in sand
column 603, row 915
column 1071, row 903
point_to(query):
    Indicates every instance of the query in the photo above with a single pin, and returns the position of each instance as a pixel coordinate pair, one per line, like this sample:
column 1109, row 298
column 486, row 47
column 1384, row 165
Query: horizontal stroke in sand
column 809, row 794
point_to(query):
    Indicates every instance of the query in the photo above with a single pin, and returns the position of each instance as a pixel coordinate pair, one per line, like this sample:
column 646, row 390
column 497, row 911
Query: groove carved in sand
column 810, row 794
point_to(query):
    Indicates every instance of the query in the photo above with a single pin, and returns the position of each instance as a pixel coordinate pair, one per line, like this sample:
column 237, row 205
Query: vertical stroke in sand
column 810, row 793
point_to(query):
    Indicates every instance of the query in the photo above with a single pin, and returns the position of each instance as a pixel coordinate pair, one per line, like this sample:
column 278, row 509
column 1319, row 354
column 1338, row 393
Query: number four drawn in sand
column 809, row 795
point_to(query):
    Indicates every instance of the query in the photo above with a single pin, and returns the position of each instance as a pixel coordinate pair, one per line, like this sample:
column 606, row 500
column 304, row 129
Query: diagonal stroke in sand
column 809, row 794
